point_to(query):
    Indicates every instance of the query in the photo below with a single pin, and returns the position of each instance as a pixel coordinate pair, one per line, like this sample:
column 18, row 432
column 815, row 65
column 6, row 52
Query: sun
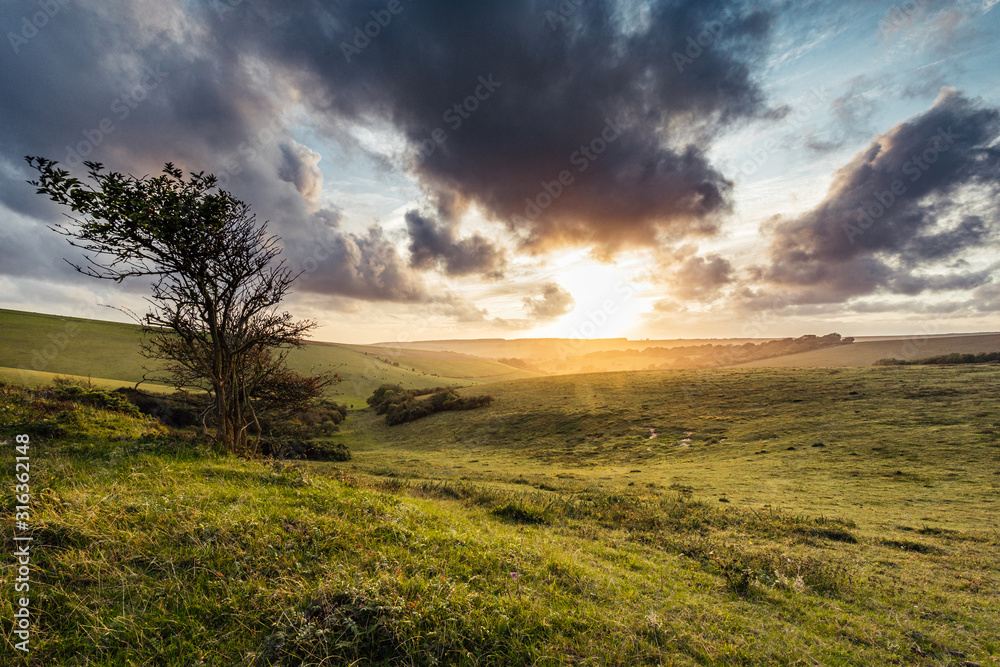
column 606, row 299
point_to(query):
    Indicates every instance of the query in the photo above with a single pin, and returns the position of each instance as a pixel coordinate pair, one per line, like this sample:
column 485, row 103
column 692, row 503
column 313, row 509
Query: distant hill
column 866, row 352
column 559, row 348
column 36, row 347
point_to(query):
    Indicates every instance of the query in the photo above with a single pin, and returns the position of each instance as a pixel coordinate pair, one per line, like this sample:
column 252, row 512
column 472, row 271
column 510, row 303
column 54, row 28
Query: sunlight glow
column 606, row 296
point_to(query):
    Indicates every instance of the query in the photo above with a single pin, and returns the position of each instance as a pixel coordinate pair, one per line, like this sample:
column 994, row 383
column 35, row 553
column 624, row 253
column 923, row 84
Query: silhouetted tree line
column 947, row 359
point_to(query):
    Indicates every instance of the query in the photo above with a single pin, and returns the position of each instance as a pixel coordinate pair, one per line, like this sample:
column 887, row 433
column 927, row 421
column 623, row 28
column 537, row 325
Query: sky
column 537, row 168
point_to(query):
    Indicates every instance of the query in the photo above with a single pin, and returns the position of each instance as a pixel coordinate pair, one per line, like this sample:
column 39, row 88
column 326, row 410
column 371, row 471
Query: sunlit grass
column 151, row 549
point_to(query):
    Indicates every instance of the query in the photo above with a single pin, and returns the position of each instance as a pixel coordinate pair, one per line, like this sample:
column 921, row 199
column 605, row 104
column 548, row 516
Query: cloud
column 701, row 277
column 615, row 95
column 599, row 96
column 688, row 276
column 433, row 245
column 156, row 82
column 554, row 302
column 898, row 212
column 361, row 266
column 300, row 166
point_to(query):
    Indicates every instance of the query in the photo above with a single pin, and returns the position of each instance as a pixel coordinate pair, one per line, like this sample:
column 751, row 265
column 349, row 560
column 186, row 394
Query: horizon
column 402, row 345
column 671, row 170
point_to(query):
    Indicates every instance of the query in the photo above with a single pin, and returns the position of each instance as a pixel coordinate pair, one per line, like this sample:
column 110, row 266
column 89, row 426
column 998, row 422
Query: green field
column 866, row 353
column 899, row 444
column 549, row 528
column 834, row 516
column 109, row 351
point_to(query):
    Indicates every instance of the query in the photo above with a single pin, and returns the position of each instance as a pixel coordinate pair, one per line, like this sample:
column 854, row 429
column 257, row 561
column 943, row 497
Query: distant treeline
column 406, row 405
column 953, row 358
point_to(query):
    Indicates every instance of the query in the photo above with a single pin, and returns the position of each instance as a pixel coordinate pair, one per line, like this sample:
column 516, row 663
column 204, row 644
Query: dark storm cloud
column 896, row 210
column 623, row 97
column 122, row 83
column 433, row 244
column 496, row 102
column 135, row 84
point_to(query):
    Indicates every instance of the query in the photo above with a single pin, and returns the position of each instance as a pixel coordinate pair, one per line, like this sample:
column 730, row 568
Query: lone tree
column 213, row 319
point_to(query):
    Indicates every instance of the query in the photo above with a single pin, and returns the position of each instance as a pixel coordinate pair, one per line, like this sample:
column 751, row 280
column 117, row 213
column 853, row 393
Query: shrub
column 322, row 418
column 944, row 359
column 98, row 398
column 304, row 448
column 400, row 405
column 171, row 411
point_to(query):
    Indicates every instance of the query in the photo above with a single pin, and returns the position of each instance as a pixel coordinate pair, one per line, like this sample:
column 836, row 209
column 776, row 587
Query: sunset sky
column 538, row 168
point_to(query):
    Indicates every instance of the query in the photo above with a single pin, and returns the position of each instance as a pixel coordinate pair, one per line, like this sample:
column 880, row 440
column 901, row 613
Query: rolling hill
column 35, row 347
column 866, row 352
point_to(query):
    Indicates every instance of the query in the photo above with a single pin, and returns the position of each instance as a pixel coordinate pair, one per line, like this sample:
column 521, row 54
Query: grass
column 30, row 378
column 867, row 353
column 33, row 345
column 152, row 549
column 888, row 446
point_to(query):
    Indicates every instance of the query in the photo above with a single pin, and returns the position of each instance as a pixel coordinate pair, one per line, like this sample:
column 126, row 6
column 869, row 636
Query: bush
column 304, row 448
column 322, row 418
column 401, row 405
column 98, row 398
column 171, row 411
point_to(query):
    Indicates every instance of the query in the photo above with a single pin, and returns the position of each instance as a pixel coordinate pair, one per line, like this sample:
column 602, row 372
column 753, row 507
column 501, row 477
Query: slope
column 32, row 343
column 866, row 353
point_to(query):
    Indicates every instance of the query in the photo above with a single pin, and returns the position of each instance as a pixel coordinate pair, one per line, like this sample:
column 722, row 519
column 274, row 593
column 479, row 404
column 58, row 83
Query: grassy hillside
column 547, row 529
column 41, row 379
column 109, row 351
column 866, row 353
column 899, row 444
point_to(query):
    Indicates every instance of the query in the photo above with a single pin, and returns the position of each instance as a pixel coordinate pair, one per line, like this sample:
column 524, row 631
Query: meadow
column 548, row 528
column 35, row 348
column 835, row 516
